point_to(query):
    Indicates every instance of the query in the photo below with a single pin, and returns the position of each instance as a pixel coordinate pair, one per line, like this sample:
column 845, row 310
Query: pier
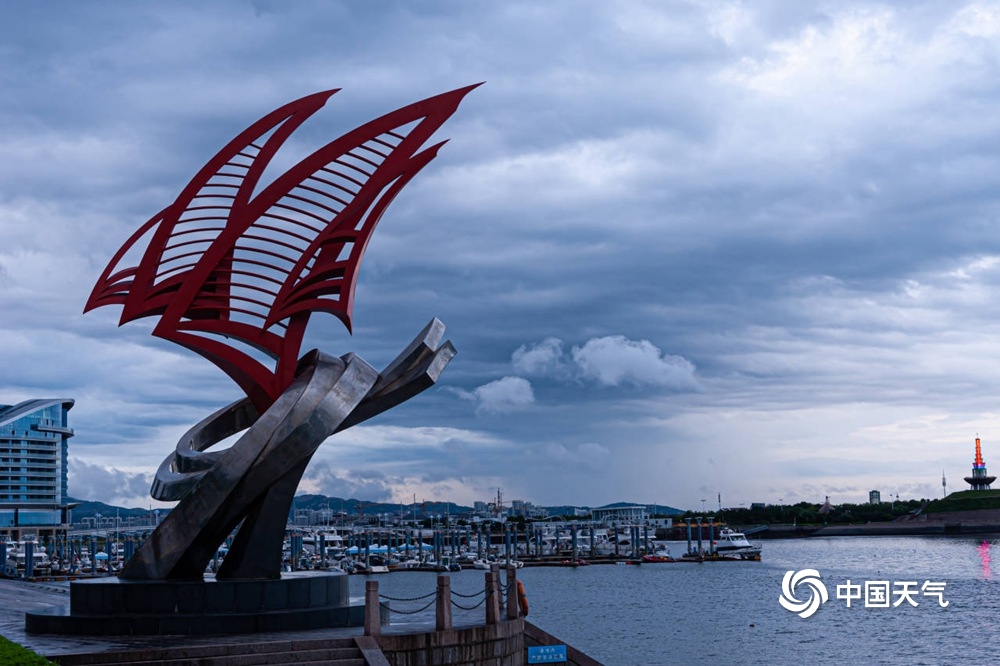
column 502, row 638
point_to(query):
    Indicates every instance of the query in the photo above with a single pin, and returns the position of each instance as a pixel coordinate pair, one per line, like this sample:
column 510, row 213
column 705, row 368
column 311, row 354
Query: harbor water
column 729, row 612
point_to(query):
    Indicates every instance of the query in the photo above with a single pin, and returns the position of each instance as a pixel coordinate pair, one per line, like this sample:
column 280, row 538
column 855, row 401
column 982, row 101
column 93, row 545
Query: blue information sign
column 547, row 654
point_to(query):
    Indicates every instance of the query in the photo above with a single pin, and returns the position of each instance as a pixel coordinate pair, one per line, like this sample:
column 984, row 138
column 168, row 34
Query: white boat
column 661, row 554
column 16, row 555
column 411, row 563
column 735, row 544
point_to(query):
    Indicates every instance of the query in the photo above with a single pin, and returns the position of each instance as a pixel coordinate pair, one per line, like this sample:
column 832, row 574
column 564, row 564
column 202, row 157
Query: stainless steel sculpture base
column 251, row 485
column 114, row 607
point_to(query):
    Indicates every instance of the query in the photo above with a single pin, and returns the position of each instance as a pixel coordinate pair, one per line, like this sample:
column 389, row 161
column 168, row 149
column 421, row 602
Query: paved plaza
column 17, row 597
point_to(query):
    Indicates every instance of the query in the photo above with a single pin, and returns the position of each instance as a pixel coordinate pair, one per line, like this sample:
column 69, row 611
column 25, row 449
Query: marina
column 362, row 550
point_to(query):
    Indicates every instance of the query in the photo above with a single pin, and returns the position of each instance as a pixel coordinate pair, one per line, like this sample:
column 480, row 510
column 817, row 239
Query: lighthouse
column 980, row 479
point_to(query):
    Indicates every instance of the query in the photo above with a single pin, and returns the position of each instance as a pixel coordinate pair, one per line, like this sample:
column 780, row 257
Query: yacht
column 734, row 544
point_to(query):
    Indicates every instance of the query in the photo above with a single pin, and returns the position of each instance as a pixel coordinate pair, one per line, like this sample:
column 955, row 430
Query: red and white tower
column 980, row 479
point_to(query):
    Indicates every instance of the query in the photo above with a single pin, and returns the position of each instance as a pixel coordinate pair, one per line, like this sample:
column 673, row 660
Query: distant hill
column 421, row 509
column 354, row 507
column 965, row 500
column 88, row 509
column 657, row 509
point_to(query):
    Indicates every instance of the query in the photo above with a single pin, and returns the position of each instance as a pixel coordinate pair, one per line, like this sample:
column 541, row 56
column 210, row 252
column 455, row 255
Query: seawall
column 981, row 521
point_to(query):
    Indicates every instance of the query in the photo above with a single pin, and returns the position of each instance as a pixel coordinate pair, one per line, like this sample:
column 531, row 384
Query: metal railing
column 496, row 597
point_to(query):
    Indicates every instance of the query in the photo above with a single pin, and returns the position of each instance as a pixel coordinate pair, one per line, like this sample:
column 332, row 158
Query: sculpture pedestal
column 115, row 607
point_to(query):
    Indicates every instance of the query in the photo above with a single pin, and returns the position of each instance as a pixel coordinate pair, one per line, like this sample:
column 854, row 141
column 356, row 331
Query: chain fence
column 483, row 595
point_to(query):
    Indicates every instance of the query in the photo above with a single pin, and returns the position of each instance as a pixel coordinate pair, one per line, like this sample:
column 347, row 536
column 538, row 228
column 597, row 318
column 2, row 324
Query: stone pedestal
column 114, row 607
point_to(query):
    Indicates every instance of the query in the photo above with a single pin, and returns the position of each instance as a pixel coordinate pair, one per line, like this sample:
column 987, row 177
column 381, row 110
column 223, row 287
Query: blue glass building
column 34, row 442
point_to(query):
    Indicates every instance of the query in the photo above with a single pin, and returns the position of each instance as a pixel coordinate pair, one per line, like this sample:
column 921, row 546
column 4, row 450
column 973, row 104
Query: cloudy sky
column 684, row 249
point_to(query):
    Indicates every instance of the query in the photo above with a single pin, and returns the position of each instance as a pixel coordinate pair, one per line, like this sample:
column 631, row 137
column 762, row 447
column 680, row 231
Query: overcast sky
column 683, row 249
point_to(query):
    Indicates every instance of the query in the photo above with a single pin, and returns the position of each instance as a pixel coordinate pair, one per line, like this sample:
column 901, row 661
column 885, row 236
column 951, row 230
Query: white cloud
column 110, row 485
column 506, row 394
column 542, row 359
column 616, row 360
column 733, row 24
column 854, row 50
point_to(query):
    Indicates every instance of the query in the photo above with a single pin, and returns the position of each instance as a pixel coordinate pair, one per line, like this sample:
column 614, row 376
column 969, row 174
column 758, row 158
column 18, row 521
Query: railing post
column 492, row 598
column 512, row 605
column 29, row 559
column 497, row 583
column 443, row 610
column 373, row 613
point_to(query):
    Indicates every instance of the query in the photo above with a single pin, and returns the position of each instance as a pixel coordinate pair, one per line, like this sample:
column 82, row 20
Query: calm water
column 728, row 612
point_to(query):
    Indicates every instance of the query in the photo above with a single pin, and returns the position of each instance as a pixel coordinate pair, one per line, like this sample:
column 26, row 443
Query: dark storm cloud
column 111, row 485
column 661, row 233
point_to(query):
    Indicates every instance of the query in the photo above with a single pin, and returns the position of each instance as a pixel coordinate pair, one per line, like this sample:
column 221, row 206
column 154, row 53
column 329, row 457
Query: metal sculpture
column 225, row 264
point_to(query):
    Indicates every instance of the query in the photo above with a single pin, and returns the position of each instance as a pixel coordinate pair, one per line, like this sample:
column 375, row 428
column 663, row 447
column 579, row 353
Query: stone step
column 272, row 659
column 342, row 651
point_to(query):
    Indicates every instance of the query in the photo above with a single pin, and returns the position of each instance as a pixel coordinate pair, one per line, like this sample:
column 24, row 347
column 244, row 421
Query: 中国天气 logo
column 807, row 578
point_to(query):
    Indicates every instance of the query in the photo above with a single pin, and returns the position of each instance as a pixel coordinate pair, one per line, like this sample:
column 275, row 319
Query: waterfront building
column 527, row 510
column 874, row 497
column 980, row 479
column 34, row 445
column 625, row 513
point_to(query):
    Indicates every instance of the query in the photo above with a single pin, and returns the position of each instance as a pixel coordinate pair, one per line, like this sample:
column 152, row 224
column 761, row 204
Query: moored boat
column 660, row 555
column 731, row 543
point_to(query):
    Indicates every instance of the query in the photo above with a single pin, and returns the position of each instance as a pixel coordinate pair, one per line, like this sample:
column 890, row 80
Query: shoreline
column 954, row 523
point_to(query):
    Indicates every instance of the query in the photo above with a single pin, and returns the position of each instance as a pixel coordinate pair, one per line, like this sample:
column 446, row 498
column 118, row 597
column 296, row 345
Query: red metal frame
column 223, row 262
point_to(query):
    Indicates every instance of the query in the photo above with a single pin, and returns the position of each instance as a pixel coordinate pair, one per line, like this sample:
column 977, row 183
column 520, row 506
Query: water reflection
column 686, row 613
column 984, row 559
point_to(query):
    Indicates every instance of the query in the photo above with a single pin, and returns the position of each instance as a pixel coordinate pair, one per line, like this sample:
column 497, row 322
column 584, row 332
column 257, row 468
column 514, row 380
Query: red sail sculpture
column 223, row 263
